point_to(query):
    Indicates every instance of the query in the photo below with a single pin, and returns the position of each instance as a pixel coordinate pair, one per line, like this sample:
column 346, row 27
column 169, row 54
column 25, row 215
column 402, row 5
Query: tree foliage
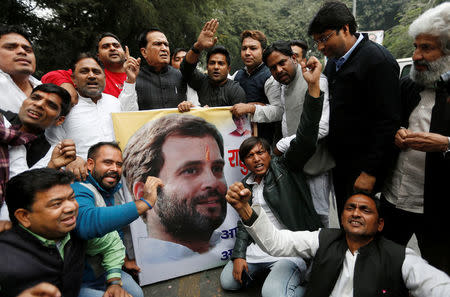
column 61, row 29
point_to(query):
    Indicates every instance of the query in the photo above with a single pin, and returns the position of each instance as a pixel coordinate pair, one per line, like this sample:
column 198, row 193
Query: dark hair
column 301, row 44
column 61, row 92
column 371, row 196
column 176, row 51
column 142, row 39
column 278, row 46
column 255, row 34
column 143, row 155
column 248, row 144
column 8, row 29
column 218, row 49
column 93, row 150
column 21, row 190
column 332, row 16
column 103, row 35
column 83, row 56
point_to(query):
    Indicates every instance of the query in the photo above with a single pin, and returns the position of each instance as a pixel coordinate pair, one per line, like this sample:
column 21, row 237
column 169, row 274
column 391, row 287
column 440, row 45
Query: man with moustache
column 415, row 196
column 287, row 73
column 214, row 89
column 186, row 153
column 100, row 208
column 355, row 261
column 90, row 121
column 112, row 56
column 158, row 84
column 17, row 64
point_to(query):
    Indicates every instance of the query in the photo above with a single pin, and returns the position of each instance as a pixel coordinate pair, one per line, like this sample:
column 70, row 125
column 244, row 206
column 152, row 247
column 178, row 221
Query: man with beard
column 415, row 197
column 98, row 198
column 186, row 153
column 214, row 89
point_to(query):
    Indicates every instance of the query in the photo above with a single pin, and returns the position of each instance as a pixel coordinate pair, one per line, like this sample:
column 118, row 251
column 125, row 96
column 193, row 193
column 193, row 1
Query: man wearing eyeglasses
column 279, row 185
column 364, row 101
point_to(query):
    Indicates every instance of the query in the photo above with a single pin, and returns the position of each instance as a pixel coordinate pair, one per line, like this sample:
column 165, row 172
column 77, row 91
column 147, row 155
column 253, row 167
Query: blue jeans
column 97, row 287
column 283, row 280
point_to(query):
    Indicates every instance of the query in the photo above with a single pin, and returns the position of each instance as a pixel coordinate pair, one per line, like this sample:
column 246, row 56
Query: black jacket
column 364, row 109
column 165, row 89
column 378, row 267
column 285, row 188
column 26, row 262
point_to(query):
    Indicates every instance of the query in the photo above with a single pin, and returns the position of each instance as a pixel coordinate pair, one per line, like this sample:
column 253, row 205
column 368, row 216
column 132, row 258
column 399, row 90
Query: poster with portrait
column 376, row 36
column 191, row 227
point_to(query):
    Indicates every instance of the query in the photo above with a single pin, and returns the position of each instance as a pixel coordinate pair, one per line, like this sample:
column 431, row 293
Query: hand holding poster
column 190, row 227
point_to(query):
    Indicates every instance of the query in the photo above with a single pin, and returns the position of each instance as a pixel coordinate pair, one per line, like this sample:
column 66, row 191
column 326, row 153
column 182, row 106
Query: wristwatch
column 197, row 51
column 115, row 282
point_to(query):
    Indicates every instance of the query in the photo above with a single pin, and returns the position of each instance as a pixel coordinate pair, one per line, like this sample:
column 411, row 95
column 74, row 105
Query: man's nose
column 279, row 69
column 70, row 206
column 114, row 168
column 417, row 55
column 209, row 180
column 21, row 51
column 320, row 46
column 92, row 75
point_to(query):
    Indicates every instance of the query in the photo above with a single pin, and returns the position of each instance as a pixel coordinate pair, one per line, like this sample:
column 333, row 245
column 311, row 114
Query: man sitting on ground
column 279, row 186
column 355, row 261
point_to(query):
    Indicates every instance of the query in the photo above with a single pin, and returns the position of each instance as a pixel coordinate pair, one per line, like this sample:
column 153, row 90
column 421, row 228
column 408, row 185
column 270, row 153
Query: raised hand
column 131, row 66
column 311, row 73
column 63, row 154
column 206, row 38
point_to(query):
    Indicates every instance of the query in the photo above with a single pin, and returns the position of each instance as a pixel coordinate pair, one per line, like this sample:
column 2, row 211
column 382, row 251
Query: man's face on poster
column 192, row 200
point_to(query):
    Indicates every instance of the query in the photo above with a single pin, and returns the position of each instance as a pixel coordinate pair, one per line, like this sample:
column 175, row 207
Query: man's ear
column 294, row 59
column 345, row 29
column 380, row 224
column 143, row 52
column 59, row 121
column 90, row 163
column 138, row 190
column 22, row 215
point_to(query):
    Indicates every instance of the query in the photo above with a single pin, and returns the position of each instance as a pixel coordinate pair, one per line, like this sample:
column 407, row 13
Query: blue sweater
column 95, row 221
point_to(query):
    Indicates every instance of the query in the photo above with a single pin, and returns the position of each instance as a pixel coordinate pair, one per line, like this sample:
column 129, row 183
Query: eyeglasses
column 323, row 39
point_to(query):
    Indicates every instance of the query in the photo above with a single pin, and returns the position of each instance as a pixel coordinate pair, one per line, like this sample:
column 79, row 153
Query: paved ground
column 202, row 284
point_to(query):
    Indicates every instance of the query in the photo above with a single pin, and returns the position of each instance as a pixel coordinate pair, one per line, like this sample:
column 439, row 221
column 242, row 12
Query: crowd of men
column 354, row 132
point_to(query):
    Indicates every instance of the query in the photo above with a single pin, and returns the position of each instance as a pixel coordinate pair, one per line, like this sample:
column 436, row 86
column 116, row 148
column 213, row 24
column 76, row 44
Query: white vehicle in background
column 405, row 66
